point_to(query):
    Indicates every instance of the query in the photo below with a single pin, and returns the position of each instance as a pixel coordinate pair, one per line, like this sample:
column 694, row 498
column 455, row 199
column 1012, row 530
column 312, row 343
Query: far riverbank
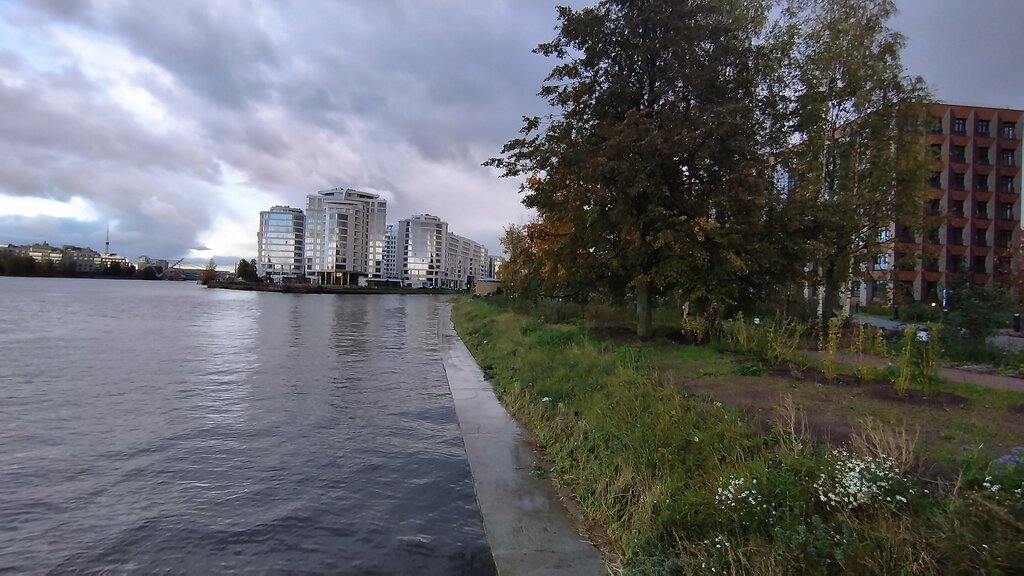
column 321, row 289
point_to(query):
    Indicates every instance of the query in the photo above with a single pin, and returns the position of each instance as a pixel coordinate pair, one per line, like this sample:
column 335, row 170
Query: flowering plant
column 851, row 481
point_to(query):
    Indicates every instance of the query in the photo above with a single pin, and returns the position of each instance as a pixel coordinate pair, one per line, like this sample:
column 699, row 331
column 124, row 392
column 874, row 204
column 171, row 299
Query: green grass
column 646, row 460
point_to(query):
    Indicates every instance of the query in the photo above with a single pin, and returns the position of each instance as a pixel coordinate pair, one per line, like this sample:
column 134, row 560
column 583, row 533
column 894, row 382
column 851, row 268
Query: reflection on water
column 158, row 426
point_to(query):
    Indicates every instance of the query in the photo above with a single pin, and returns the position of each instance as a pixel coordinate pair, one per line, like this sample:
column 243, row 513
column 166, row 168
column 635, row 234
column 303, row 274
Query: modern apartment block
column 421, row 250
column 281, row 244
column 465, row 262
column 391, row 270
column 429, row 256
column 974, row 209
column 344, row 241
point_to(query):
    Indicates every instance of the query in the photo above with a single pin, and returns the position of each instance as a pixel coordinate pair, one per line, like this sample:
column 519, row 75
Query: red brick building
column 974, row 210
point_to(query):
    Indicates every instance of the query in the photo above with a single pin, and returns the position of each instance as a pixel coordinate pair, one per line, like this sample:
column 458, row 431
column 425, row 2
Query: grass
column 656, row 448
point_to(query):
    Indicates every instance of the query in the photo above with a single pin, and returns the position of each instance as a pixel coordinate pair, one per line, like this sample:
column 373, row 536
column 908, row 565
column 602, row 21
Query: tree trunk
column 643, row 311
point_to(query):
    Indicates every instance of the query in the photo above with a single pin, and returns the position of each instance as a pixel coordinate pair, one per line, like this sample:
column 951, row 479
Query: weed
column 874, row 439
column 750, row 369
column 919, row 360
column 835, row 332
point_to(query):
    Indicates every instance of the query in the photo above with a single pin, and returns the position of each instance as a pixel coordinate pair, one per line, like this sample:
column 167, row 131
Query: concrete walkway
column 1007, row 339
column 527, row 526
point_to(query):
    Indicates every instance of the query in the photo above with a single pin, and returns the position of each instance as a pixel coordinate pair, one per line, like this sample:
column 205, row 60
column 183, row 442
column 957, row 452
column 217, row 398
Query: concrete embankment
column 527, row 526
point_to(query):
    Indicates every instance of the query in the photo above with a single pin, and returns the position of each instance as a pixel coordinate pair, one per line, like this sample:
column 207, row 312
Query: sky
column 175, row 123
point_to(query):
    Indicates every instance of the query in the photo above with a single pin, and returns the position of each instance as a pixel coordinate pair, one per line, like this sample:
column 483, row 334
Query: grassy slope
column 646, row 461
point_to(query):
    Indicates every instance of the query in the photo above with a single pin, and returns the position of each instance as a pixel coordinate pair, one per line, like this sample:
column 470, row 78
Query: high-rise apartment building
column 421, row 250
column 974, row 206
column 391, row 269
column 344, row 241
column 280, row 241
column 465, row 262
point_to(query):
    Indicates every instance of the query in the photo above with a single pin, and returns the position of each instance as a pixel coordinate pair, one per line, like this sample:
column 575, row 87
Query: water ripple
column 160, row 428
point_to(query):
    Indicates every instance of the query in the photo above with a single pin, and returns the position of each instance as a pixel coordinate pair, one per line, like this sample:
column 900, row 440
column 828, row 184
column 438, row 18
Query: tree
column 859, row 145
column 653, row 174
column 209, row 274
column 243, row 270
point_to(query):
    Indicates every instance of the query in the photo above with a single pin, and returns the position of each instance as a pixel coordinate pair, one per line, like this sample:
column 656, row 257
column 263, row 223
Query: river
column 161, row 427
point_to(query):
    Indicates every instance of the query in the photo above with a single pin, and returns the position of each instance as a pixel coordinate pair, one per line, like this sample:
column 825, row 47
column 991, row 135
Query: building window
column 981, row 183
column 1006, row 184
column 958, row 180
column 981, row 237
column 956, row 264
column 958, row 208
column 936, row 180
column 980, row 265
column 982, row 127
column 934, row 208
column 933, row 236
column 1003, row 265
column 956, row 236
column 1009, row 131
column 981, row 210
column 882, row 262
column 1006, row 157
column 1004, row 238
column 959, row 126
column 1005, row 211
column 983, row 156
column 936, row 125
column 960, row 154
column 937, row 151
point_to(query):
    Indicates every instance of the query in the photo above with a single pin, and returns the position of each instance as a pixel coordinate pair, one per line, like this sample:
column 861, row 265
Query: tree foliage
column 859, row 132
column 208, row 274
column 246, row 270
column 653, row 172
column 715, row 148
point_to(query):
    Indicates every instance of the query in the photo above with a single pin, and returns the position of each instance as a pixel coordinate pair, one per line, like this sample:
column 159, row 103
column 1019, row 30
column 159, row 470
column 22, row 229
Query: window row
column 1007, row 130
column 959, row 182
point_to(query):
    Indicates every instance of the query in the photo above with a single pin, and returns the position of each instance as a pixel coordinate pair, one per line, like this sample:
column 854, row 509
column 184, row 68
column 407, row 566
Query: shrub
column 919, row 359
column 978, row 312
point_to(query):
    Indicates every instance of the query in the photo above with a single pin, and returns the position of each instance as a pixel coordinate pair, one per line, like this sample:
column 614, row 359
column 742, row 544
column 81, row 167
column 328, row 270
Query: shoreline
column 318, row 289
column 528, row 527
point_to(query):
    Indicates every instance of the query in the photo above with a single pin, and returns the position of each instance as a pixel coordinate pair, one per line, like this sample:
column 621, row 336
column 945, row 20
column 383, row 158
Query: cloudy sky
column 175, row 123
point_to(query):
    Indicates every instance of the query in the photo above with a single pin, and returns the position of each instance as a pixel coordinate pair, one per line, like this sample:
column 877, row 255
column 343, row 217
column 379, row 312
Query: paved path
column 958, row 375
column 1003, row 339
column 527, row 527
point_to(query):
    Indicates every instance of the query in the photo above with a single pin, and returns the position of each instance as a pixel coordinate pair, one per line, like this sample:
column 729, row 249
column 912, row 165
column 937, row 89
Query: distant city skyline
column 178, row 135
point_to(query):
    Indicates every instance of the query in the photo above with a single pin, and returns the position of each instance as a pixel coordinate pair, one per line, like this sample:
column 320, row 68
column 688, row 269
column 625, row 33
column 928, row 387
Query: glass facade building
column 281, row 244
column 344, row 242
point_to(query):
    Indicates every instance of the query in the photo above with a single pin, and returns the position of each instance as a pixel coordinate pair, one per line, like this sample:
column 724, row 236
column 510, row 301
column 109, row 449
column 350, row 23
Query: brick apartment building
column 974, row 210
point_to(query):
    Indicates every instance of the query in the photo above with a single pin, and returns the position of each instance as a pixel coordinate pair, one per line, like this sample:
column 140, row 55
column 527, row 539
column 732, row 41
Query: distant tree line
column 19, row 265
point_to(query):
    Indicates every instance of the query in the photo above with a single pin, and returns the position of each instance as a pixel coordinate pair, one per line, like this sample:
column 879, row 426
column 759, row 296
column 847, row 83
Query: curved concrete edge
column 527, row 526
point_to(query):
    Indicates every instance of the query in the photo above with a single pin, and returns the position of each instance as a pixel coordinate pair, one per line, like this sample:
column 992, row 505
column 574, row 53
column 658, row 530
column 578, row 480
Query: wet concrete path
column 527, row 527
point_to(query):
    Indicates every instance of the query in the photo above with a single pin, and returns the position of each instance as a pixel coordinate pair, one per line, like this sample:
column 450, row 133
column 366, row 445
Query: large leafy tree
column 859, row 150
column 654, row 171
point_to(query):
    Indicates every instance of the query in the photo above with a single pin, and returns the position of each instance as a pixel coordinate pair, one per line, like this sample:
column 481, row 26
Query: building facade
column 465, row 262
column 421, row 251
column 281, row 245
column 391, row 270
column 974, row 211
column 344, row 239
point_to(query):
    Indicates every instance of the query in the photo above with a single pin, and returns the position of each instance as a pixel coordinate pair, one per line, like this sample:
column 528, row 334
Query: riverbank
column 693, row 461
column 321, row 289
column 527, row 525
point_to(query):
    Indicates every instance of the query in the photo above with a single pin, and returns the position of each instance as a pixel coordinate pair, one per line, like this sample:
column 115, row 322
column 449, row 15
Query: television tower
column 106, row 249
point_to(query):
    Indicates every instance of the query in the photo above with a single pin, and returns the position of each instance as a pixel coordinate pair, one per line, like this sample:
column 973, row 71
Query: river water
column 161, row 427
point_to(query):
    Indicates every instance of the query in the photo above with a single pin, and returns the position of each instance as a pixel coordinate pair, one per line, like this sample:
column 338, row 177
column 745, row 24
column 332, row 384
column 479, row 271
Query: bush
column 977, row 313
